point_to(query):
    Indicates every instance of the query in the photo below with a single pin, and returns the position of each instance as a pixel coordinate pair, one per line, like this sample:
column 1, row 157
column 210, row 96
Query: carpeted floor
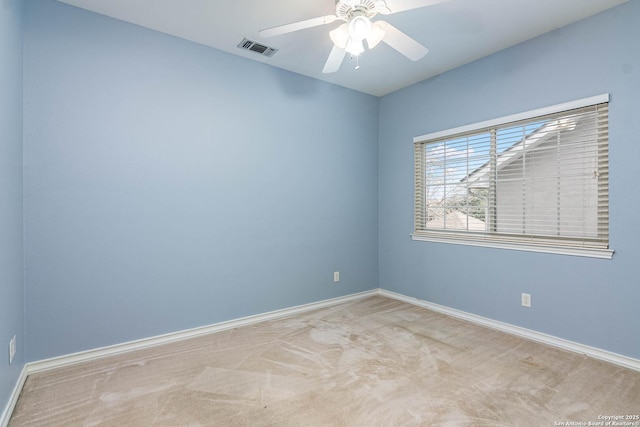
column 373, row 362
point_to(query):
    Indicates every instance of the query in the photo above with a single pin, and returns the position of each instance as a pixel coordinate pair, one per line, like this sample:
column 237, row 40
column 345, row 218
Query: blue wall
column 169, row 185
column 591, row 301
column 11, row 266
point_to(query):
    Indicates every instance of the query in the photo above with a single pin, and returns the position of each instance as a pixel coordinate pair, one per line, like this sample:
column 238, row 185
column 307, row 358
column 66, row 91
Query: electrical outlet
column 526, row 300
column 12, row 349
column 336, row 276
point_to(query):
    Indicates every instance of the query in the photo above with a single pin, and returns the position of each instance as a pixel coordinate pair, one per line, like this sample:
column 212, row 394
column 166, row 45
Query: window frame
column 521, row 242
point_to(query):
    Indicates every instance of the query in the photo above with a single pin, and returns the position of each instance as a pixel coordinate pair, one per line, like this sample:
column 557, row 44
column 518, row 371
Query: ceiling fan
column 357, row 27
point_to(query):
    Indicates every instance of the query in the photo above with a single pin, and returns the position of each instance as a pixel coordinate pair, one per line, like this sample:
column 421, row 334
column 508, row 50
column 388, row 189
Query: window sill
column 530, row 247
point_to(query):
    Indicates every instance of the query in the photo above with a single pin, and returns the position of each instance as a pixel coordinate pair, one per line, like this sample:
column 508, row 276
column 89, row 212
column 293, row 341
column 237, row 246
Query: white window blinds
column 539, row 181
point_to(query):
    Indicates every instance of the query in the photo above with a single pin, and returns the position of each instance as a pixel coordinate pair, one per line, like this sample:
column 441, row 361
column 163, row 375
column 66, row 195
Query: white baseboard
column 13, row 399
column 596, row 353
column 83, row 356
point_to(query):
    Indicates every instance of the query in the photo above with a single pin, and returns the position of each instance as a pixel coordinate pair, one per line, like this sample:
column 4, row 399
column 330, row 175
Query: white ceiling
column 455, row 31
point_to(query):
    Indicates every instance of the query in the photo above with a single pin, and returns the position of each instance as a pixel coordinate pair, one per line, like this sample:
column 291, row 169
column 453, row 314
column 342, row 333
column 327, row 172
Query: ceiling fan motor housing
column 347, row 9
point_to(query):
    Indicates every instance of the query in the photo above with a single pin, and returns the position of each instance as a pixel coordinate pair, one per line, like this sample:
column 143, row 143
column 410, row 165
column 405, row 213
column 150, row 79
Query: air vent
column 257, row 47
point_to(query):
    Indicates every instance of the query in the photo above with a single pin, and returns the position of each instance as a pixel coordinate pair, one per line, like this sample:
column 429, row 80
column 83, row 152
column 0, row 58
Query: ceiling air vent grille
column 257, row 47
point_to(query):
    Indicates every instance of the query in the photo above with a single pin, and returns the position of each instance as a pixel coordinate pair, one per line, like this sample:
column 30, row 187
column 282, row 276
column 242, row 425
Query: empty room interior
column 354, row 212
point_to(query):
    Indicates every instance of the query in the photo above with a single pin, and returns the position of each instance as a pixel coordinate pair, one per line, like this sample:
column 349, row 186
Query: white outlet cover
column 526, row 300
column 336, row 276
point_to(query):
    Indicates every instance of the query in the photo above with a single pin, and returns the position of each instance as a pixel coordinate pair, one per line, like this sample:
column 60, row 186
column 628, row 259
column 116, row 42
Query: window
column 535, row 181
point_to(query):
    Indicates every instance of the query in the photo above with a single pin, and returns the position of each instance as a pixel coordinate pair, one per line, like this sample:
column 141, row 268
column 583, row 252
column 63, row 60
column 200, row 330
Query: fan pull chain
column 357, row 62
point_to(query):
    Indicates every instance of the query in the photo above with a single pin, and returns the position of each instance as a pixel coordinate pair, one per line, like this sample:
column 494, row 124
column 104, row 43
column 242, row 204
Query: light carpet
column 372, row 362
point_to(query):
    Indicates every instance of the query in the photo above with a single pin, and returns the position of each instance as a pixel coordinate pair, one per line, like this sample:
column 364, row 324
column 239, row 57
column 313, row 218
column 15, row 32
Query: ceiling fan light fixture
column 340, row 36
column 350, row 36
column 376, row 34
column 359, row 27
column 355, row 47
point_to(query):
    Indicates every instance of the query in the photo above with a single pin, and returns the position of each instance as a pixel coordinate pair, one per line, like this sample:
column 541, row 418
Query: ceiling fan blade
column 335, row 60
column 396, row 6
column 402, row 42
column 295, row 26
